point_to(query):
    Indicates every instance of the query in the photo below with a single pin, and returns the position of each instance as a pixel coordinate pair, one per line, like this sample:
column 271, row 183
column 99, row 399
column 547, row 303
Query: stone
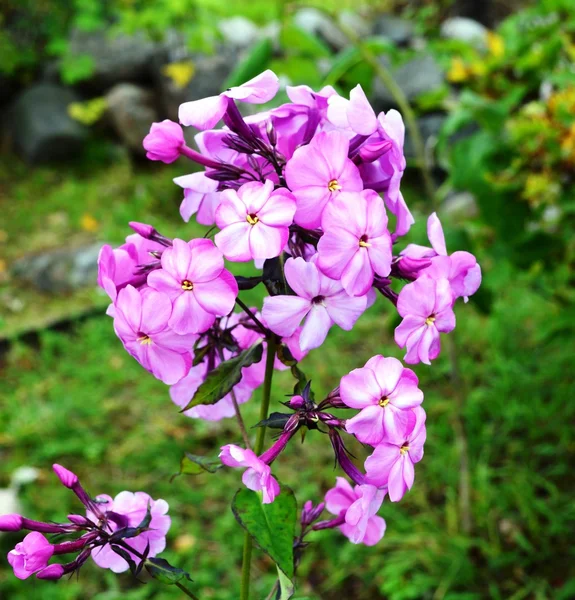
column 418, row 76
column 116, row 58
column 239, row 32
column 465, row 30
column 460, row 206
column 41, row 127
column 132, row 111
column 429, row 127
column 398, row 30
column 60, row 271
column 317, row 23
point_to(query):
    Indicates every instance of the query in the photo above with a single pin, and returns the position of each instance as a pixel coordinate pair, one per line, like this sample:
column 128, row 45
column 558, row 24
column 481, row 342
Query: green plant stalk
column 260, row 439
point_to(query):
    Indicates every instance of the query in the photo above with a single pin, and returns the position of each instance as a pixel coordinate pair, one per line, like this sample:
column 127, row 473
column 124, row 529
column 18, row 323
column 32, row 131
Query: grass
column 72, row 395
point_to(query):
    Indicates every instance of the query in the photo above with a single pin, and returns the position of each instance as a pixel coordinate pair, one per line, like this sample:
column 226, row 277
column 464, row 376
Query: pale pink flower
column 201, row 198
column 426, row 308
column 356, row 243
column 194, row 278
column 164, row 141
column 254, row 221
column 391, row 464
column 384, row 391
column 30, row 555
column 319, row 300
column 355, row 113
column 318, row 172
column 358, row 506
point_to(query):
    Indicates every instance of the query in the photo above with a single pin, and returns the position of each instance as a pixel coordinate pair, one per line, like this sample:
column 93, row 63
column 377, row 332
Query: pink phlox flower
column 319, row 300
column 391, row 464
column 164, row 141
column 194, row 278
column 359, row 506
column 30, row 555
column 318, row 173
column 384, row 391
column 355, row 113
column 141, row 322
column 254, row 221
column 257, row 476
column 201, row 197
column 205, row 113
column 116, row 268
column 460, row 268
column 356, row 243
column 426, row 308
column 305, row 96
column 133, row 507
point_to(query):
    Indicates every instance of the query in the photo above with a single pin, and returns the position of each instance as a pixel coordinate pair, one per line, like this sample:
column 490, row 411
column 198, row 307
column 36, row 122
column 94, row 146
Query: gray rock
column 460, row 206
column 60, row 271
column 399, row 31
column 238, row 31
column 418, row 76
column 319, row 24
column 116, row 58
column 466, row 30
column 131, row 110
column 41, row 128
column 429, row 127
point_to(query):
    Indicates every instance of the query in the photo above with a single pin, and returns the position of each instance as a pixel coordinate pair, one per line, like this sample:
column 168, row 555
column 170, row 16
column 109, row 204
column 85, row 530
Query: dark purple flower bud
column 11, row 522
column 371, row 152
column 296, row 402
column 80, row 520
column 149, row 233
column 343, row 459
column 271, row 133
column 331, row 524
column 272, row 453
column 407, row 267
column 51, row 572
column 45, row 527
column 67, row 478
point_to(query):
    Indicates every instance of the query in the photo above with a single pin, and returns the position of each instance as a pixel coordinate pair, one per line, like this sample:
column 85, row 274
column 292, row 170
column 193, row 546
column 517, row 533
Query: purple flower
column 426, row 308
column 30, row 555
column 254, row 221
column 391, row 464
column 194, row 278
column 11, row 522
column 320, row 300
column 460, row 268
column 257, row 475
column 164, row 141
column 201, row 196
column 358, row 506
column 356, row 243
column 133, row 507
column 384, row 391
column 205, row 113
column 318, row 172
column 141, row 322
column 355, row 113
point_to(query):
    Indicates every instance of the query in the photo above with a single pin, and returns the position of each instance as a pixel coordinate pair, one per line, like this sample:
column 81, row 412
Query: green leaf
column 254, row 63
column 296, row 40
column 270, row 525
column 341, row 64
column 276, row 420
column 287, row 588
column 222, row 379
column 162, row 570
column 193, row 464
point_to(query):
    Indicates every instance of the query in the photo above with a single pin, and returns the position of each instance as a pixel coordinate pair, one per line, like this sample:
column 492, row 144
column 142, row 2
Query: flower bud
column 164, row 141
column 371, row 152
column 11, row 522
column 296, row 402
column 51, row 572
column 67, row 478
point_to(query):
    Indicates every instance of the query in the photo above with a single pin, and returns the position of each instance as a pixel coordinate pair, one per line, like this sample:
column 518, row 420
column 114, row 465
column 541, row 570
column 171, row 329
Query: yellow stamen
column 188, row 286
column 383, row 402
column 430, row 320
column 252, row 219
column 363, row 244
column 333, row 186
column 404, row 449
column 145, row 340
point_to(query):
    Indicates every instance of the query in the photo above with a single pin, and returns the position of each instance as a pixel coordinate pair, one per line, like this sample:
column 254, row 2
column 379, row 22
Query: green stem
column 260, row 439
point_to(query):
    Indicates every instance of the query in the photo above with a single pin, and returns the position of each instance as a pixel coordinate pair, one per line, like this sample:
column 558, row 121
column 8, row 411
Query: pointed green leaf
column 193, row 464
column 286, row 588
column 222, row 379
column 162, row 570
column 271, row 526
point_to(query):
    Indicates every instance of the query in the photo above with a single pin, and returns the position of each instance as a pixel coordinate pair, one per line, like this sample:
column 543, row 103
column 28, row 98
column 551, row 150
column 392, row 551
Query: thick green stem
column 264, row 409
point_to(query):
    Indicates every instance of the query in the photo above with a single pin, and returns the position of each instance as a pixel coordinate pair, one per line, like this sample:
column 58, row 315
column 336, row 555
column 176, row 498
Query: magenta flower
column 132, row 508
column 318, row 172
column 358, row 507
column 194, row 278
column 30, row 555
column 257, row 475
column 391, row 464
column 320, row 300
column 356, row 243
column 201, row 196
column 254, row 221
column 164, row 141
column 384, row 391
column 426, row 308
column 205, row 113
column 141, row 322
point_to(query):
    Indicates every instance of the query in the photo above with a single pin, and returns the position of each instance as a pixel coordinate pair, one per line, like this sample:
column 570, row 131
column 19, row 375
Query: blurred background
column 492, row 87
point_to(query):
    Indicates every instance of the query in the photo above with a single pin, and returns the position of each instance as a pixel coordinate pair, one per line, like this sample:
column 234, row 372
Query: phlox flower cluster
column 130, row 527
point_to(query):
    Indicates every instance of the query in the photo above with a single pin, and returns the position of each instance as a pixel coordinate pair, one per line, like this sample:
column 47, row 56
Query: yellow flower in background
column 495, row 44
column 458, row 72
column 88, row 223
column 478, row 68
column 88, row 112
column 181, row 73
